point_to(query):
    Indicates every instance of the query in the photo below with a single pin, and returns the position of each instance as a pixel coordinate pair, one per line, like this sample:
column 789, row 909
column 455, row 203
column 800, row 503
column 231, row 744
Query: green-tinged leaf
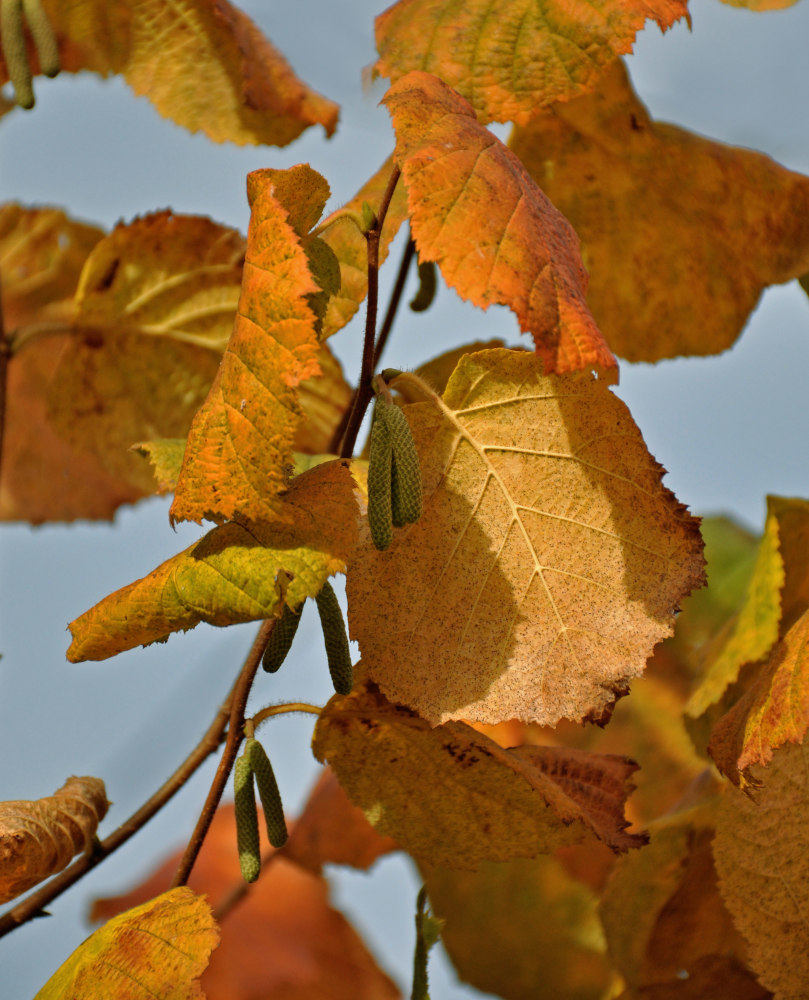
column 166, row 458
column 474, row 800
column 159, row 949
column 234, row 574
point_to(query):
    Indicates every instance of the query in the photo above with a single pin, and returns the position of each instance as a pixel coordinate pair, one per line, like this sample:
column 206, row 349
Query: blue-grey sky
column 729, row 430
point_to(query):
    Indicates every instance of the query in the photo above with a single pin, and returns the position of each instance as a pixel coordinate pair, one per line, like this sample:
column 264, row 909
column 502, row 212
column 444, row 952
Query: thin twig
column 235, row 733
column 284, row 709
column 363, row 394
column 34, row 903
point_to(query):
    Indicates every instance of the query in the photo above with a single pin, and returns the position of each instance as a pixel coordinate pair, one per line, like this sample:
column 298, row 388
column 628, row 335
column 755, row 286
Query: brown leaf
column 763, row 866
column 39, row 838
column 202, row 63
column 450, row 796
column 735, row 221
column 330, row 830
column 461, row 180
column 548, row 561
column 511, row 60
column 283, row 940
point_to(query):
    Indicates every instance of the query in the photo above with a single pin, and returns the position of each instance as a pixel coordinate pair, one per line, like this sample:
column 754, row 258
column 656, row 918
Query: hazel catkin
column 405, row 472
column 280, row 639
column 268, row 791
column 246, row 819
column 380, row 460
column 336, row 640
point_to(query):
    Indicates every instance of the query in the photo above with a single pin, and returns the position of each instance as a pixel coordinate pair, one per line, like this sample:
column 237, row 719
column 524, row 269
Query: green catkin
column 427, row 287
column 406, row 471
column 246, row 819
column 43, row 36
column 268, row 790
column 14, row 52
column 281, row 639
column 380, row 461
column 336, row 640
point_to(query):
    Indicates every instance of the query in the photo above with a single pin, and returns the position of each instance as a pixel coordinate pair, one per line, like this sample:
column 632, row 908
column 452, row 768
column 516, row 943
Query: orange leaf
column 240, row 444
column 283, row 940
column 38, row 839
column 734, row 221
column 548, row 561
column 156, row 950
column 495, row 236
column 330, row 830
column 509, row 60
column 450, row 796
column 202, row 63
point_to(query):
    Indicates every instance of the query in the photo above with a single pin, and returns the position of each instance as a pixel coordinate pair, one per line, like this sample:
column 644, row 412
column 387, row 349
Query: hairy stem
column 235, row 733
column 363, row 394
column 32, row 905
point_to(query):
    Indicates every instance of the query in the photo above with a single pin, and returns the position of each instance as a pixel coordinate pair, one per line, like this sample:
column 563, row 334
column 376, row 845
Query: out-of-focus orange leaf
column 241, row 440
column 524, row 930
column 283, row 940
column 159, row 949
column 735, row 221
column 351, row 250
column 38, row 838
column 549, row 559
column 476, row 212
column 763, row 866
column 324, row 398
column 202, row 63
column 331, row 830
column 130, row 356
column 663, row 917
column 450, row 796
column 761, row 4
column 234, row 574
column 511, row 60
column 42, row 253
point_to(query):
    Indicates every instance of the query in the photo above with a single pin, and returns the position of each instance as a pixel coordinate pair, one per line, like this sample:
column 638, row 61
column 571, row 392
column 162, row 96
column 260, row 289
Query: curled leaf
column 38, row 838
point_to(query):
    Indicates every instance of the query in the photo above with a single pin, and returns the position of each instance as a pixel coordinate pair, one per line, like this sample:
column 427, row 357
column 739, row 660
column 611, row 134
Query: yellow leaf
column 451, row 796
column 202, row 63
column 159, row 949
column 38, row 839
column 462, row 181
column 549, row 942
column 509, row 60
column 234, row 574
column 763, row 865
column 549, row 559
column 735, row 221
column 241, row 440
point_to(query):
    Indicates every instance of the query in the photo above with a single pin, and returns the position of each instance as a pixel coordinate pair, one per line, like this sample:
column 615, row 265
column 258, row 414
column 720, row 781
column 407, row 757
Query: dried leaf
column 460, row 179
column 735, row 221
column 241, row 440
column 510, row 60
column 450, row 796
column 763, row 866
column 283, row 940
column 234, row 574
column 39, row 838
column 549, row 943
column 548, row 561
column 159, row 949
column 202, row 63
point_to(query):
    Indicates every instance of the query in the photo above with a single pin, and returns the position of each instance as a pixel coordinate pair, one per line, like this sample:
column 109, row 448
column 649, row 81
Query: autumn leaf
column 39, row 838
column 761, row 4
column 234, row 573
column 331, row 830
column 461, row 179
column 510, row 60
column 549, row 943
column 763, row 866
column 351, row 250
column 662, row 913
column 283, row 940
column 240, row 444
column 735, row 221
column 158, row 949
column 202, row 63
column 450, row 796
column 548, row 561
